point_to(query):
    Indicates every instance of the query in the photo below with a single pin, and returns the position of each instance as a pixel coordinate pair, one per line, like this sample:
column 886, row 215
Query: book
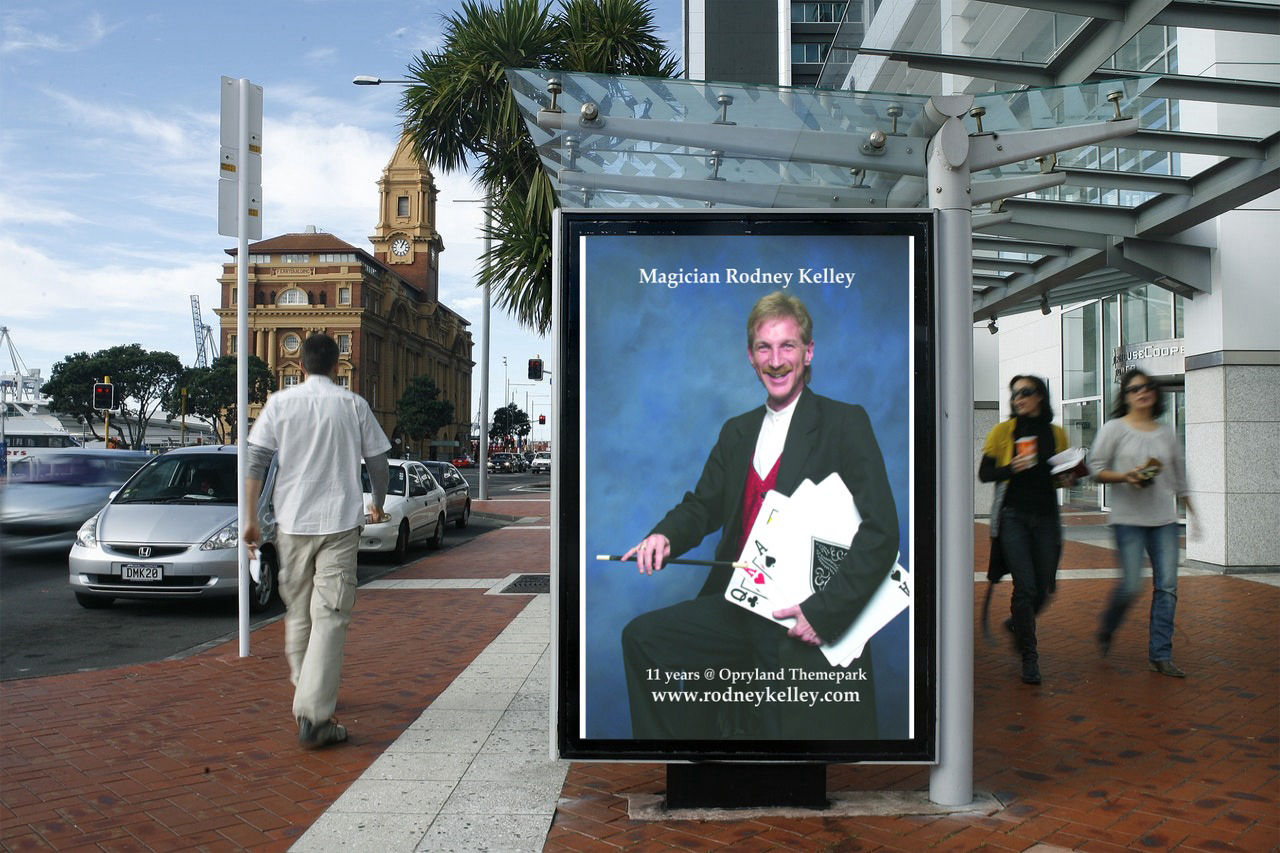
column 1069, row 461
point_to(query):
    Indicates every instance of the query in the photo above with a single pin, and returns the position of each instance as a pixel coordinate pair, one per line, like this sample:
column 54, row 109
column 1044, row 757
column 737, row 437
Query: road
column 43, row 631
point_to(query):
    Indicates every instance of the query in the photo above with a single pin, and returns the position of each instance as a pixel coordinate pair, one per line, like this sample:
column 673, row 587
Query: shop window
column 1081, row 352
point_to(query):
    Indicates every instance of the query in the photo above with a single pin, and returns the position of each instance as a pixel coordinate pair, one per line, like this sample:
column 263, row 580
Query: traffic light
column 104, row 398
column 535, row 369
column 542, row 419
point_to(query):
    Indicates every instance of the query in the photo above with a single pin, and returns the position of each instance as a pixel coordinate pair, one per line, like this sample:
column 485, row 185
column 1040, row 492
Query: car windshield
column 76, row 469
column 184, row 478
column 395, row 483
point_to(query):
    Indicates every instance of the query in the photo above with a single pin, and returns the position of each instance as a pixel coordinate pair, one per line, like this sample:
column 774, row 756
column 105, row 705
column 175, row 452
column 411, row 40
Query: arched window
column 293, row 296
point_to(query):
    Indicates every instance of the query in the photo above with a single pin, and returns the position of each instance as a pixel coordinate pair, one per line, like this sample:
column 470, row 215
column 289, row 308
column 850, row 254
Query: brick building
column 381, row 306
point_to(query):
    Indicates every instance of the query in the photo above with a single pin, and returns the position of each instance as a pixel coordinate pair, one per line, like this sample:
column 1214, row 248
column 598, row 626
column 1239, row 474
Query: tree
column 510, row 422
column 141, row 380
column 211, row 392
column 420, row 413
column 461, row 114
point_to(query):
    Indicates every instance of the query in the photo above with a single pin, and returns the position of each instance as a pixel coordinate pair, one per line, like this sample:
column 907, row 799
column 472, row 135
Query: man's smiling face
column 779, row 356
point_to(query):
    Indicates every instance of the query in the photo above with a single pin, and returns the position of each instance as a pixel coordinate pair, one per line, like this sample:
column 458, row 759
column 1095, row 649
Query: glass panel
column 1110, row 341
column 684, row 143
column 1081, row 422
column 1148, row 315
column 1081, row 352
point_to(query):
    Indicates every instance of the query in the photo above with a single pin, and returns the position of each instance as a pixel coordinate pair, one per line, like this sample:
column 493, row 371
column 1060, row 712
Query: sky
column 109, row 145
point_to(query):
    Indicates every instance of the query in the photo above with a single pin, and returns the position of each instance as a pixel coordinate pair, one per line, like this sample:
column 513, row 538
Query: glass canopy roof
column 1204, row 144
column 682, row 143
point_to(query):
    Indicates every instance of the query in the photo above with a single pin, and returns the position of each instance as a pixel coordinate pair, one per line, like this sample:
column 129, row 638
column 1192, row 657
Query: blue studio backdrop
column 664, row 364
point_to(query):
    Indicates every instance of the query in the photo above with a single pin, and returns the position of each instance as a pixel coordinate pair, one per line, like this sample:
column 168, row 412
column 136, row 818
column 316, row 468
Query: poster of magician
column 744, row 493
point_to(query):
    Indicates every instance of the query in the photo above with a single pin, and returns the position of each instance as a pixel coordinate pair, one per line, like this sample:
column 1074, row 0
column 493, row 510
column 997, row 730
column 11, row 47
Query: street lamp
column 482, row 462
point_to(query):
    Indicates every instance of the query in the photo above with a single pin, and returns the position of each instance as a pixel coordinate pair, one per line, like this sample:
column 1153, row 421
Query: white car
column 415, row 507
column 541, row 462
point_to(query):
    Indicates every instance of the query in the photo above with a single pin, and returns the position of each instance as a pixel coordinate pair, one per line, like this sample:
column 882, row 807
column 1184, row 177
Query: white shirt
column 319, row 432
column 773, row 435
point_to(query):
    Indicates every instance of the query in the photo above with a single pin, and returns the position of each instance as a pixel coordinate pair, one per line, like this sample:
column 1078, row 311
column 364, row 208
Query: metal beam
column 985, row 262
column 1218, row 15
column 1139, row 181
column 1094, row 43
column 1219, row 90
column 1009, row 71
column 902, row 155
column 1110, row 10
column 1075, row 216
column 1064, row 236
column 1053, row 273
column 1218, row 189
column 1195, row 143
column 1027, row 247
column 725, row 192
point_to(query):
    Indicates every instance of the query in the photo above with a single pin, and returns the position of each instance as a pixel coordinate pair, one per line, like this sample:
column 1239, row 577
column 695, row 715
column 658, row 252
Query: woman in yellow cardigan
column 1025, row 529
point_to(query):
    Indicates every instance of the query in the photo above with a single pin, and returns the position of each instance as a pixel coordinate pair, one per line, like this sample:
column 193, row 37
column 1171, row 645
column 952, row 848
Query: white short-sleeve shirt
column 319, row 432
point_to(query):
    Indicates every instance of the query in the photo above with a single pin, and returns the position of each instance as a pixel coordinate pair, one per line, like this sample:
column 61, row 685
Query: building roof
column 309, row 241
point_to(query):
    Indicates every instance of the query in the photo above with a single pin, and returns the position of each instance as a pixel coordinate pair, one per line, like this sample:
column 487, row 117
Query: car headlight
column 87, row 535
column 227, row 537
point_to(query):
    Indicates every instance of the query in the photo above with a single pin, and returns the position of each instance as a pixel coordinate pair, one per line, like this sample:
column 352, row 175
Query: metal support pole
column 483, row 461
column 951, row 780
column 242, row 358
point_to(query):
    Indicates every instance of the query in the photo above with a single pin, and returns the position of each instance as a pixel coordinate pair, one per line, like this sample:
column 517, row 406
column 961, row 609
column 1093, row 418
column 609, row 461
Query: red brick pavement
column 1105, row 755
column 200, row 753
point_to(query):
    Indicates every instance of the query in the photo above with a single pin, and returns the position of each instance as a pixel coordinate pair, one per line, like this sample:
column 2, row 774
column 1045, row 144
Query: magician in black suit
column 796, row 435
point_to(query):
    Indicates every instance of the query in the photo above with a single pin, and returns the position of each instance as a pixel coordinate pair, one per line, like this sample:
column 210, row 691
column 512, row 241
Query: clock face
column 400, row 247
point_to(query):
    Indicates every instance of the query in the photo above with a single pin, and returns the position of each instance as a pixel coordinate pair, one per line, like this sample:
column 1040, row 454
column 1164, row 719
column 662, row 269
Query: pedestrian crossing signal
column 104, row 398
column 535, row 369
column 542, row 419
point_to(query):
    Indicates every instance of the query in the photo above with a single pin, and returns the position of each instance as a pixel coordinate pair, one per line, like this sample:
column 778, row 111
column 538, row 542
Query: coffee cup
column 1026, row 447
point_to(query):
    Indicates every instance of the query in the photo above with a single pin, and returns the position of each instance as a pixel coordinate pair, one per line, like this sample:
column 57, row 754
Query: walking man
column 318, row 432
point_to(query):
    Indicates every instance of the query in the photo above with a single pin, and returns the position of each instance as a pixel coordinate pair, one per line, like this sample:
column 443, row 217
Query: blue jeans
column 1161, row 544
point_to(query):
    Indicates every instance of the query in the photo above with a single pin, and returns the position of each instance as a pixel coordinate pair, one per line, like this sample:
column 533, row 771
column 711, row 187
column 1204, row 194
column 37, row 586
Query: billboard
column 748, row 397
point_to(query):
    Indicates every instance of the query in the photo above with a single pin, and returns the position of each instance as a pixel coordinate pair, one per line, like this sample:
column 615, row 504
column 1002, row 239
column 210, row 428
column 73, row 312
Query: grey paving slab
column 468, row 832
column 473, row 772
column 392, row 833
column 394, row 796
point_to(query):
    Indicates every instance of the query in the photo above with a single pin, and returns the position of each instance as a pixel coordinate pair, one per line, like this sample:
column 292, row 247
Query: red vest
column 753, row 497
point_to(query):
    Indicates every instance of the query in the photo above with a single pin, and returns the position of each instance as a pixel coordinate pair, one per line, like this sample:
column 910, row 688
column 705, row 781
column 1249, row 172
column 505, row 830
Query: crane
column 205, row 341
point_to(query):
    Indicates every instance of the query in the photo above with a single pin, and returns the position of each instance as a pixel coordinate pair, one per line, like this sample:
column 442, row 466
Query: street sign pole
column 239, row 215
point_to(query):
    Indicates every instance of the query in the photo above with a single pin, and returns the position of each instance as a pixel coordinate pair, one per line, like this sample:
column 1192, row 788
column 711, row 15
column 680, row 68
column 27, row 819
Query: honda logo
column 144, row 551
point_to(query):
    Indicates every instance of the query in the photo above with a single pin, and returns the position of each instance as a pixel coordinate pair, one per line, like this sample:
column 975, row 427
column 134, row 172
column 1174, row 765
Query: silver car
column 171, row 532
column 48, row 497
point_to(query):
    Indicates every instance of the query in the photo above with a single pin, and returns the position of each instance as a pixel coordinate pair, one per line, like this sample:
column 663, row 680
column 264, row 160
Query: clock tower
column 406, row 239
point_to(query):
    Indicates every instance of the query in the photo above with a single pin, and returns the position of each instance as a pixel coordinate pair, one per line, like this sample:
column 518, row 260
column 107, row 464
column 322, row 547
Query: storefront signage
column 1155, row 358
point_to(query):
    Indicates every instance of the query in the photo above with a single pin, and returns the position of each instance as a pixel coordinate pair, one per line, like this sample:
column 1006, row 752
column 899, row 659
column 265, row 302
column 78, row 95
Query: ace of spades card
column 796, row 546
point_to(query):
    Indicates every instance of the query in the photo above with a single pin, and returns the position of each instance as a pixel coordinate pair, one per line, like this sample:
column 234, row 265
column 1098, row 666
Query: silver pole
column 951, row 779
column 483, row 461
column 242, row 358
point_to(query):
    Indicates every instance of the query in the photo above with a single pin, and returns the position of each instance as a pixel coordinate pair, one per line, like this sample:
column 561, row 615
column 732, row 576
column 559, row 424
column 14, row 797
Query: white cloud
column 18, row 38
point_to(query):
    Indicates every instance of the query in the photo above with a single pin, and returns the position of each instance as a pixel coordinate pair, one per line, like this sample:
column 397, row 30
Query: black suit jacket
column 825, row 436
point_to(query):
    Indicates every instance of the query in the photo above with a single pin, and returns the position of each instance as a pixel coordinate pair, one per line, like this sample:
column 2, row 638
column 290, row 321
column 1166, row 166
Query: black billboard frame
column 567, row 543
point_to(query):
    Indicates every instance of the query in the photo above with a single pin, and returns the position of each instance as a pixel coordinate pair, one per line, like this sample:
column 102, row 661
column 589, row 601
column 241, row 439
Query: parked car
column 463, row 461
column 171, row 531
column 48, row 496
column 541, row 462
column 415, row 507
column 457, row 492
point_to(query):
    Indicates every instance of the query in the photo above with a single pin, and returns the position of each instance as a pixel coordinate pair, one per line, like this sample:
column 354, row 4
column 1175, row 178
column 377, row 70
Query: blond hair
column 779, row 304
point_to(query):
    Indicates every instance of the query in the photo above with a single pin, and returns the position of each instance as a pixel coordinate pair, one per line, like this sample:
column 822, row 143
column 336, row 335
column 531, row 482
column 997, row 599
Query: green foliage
column 141, row 379
column 461, row 115
column 420, row 413
column 510, row 421
column 211, row 392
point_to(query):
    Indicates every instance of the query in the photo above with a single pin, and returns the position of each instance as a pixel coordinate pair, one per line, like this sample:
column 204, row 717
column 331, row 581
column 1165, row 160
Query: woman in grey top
column 1141, row 458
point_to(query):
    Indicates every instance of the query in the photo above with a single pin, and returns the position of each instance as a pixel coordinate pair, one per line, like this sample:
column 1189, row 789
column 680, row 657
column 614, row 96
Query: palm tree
column 461, row 114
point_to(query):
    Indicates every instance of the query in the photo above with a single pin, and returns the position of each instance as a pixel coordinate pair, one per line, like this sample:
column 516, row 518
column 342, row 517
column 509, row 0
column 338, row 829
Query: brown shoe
column 1166, row 667
column 313, row 736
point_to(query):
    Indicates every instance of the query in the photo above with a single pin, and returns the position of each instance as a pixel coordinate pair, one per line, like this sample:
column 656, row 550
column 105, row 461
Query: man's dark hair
column 1122, row 402
column 1046, row 410
column 319, row 354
